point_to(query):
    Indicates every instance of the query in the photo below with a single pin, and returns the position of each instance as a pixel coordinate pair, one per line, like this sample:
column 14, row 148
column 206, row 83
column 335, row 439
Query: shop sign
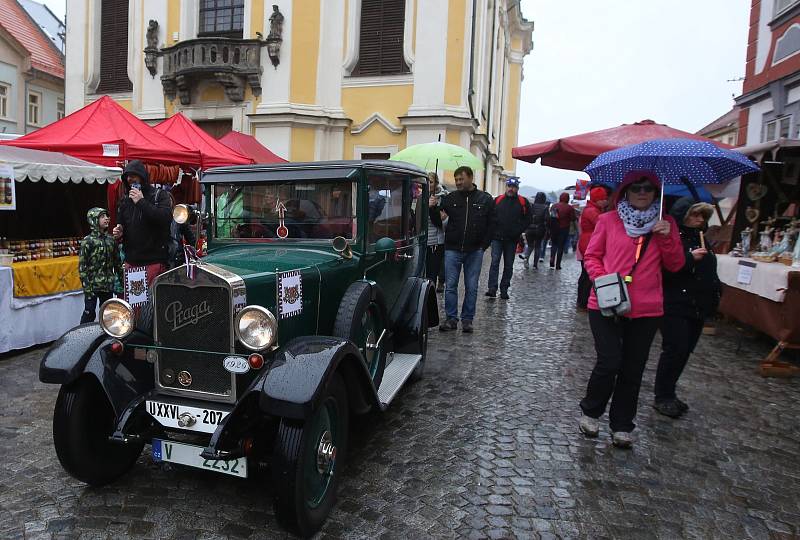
column 110, row 150
column 8, row 194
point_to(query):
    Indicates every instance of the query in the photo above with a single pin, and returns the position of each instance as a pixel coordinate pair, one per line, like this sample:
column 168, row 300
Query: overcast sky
column 598, row 64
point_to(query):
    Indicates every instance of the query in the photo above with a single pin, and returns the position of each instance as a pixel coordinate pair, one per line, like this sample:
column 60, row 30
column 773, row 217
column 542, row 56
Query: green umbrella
column 438, row 155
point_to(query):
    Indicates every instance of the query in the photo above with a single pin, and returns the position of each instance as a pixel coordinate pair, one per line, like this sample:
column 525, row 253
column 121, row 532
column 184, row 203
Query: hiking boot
column 491, row 293
column 622, row 439
column 668, row 408
column 449, row 324
column 504, row 295
column 589, row 426
column 466, row 327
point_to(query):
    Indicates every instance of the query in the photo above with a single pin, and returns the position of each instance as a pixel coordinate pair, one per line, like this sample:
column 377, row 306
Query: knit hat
column 598, row 194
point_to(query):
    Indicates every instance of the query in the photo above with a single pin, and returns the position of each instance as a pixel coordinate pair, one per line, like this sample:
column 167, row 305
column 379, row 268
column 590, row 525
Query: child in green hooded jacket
column 99, row 266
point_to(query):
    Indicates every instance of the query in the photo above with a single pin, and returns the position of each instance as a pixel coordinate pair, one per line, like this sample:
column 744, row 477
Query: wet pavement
column 486, row 446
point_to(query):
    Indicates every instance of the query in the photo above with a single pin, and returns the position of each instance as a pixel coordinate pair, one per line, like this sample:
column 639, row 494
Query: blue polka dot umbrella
column 675, row 161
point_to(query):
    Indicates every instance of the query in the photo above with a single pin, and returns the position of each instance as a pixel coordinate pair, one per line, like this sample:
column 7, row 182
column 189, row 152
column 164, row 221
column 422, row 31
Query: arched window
column 221, row 18
column 380, row 49
column 114, row 47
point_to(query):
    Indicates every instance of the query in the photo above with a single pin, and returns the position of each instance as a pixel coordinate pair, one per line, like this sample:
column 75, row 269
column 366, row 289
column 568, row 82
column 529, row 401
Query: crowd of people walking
column 662, row 276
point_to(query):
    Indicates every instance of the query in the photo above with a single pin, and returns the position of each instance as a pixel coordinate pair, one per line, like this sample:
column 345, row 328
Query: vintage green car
column 310, row 306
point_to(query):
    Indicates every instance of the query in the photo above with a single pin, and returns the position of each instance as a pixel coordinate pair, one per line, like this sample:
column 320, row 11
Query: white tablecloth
column 28, row 322
column 769, row 280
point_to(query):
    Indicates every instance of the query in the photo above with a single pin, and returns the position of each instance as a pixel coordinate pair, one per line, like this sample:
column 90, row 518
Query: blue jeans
column 505, row 249
column 453, row 261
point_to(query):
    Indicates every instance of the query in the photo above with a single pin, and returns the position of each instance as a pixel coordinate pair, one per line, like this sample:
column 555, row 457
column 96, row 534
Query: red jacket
column 612, row 250
column 588, row 222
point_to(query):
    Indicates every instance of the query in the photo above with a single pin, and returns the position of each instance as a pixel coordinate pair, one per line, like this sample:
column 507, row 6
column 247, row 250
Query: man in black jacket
column 512, row 216
column 469, row 231
column 144, row 216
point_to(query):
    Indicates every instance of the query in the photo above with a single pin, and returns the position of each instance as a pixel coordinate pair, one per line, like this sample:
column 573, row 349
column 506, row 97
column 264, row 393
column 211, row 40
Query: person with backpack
column 144, row 215
column 537, row 230
column 512, row 217
column 562, row 215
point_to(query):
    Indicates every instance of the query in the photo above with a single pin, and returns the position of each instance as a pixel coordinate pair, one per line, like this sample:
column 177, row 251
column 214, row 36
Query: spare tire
column 362, row 320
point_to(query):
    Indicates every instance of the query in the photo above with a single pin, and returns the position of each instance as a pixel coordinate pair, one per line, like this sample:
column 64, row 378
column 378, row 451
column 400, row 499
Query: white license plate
column 168, row 414
column 189, row 454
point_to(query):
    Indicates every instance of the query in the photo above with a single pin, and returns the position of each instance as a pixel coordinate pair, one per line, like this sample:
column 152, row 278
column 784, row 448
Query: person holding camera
column 144, row 215
column 631, row 243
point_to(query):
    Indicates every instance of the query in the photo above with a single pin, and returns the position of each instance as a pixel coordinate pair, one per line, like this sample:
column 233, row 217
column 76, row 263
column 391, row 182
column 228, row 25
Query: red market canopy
column 212, row 152
column 105, row 133
column 576, row 152
column 247, row 145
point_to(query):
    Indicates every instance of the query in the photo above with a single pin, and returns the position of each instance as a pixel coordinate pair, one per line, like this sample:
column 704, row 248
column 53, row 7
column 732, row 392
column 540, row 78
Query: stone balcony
column 230, row 62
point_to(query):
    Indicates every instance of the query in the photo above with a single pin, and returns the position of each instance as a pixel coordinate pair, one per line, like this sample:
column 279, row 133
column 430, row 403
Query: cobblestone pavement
column 485, row 446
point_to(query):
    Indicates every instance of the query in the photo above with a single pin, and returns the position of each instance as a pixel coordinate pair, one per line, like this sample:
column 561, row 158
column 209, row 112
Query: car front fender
column 301, row 370
column 86, row 349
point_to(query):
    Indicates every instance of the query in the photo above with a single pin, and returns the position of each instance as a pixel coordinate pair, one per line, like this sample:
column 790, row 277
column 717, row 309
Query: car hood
column 250, row 261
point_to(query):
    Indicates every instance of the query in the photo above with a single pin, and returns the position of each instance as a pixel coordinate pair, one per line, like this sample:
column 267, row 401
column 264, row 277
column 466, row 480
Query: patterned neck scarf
column 638, row 222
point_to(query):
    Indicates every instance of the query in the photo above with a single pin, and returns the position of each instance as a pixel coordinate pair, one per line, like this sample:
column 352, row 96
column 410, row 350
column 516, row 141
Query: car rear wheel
column 308, row 460
column 422, row 347
column 363, row 320
column 83, row 419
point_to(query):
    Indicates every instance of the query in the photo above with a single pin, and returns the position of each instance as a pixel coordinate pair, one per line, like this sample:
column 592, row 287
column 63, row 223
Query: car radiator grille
column 209, row 332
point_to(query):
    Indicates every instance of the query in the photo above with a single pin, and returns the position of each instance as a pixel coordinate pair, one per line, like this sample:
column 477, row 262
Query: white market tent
column 36, row 165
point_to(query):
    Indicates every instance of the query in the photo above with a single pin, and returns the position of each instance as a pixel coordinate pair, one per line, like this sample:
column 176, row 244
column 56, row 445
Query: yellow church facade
column 313, row 79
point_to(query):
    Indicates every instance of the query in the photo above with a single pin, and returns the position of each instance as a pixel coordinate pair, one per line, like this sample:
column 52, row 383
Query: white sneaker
column 589, row 426
column 622, row 439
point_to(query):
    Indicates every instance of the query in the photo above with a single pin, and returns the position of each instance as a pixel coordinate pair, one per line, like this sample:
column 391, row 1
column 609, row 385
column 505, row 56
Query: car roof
column 312, row 170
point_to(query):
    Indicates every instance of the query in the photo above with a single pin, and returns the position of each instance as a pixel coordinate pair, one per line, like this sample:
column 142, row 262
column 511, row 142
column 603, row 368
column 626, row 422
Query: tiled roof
column 729, row 119
column 44, row 56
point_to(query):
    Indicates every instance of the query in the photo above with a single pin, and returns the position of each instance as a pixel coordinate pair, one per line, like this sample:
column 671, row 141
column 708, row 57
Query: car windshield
column 293, row 210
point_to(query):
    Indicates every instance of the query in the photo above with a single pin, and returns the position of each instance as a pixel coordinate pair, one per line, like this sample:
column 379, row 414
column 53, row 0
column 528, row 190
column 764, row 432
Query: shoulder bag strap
column 641, row 247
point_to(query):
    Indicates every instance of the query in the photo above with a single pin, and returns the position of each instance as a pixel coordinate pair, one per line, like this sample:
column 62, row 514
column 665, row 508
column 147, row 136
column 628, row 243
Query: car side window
column 417, row 211
column 385, row 206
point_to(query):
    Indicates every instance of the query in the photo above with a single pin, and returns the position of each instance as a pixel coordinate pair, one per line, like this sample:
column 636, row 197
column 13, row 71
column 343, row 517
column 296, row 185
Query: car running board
column 395, row 376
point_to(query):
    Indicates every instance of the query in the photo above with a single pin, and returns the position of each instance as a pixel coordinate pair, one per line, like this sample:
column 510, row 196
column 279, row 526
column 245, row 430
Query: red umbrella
column 576, row 152
column 247, row 145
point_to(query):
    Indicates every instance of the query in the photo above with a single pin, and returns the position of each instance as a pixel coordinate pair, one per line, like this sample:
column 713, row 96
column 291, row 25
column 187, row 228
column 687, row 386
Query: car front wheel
column 308, row 460
column 83, row 419
column 363, row 320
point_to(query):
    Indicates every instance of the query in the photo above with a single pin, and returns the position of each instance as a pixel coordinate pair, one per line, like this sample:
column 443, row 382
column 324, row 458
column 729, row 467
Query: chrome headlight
column 256, row 328
column 181, row 214
column 116, row 318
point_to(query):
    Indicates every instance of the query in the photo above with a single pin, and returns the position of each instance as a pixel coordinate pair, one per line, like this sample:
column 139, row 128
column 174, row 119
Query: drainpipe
column 491, row 98
column 471, row 66
column 491, row 75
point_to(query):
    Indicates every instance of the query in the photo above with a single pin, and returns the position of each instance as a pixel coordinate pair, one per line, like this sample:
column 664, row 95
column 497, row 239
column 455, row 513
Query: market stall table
column 29, row 321
column 765, row 296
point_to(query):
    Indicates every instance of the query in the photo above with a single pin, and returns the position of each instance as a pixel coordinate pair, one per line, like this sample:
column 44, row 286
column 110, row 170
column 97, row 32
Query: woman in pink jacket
column 634, row 242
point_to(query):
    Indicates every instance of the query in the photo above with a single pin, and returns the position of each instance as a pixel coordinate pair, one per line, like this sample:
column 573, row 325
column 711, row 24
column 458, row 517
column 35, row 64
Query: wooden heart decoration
column 752, row 214
column 756, row 191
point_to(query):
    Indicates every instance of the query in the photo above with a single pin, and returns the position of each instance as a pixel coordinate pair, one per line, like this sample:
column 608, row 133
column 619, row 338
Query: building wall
column 15, row 72
column 310, row 107
column 772, row 71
